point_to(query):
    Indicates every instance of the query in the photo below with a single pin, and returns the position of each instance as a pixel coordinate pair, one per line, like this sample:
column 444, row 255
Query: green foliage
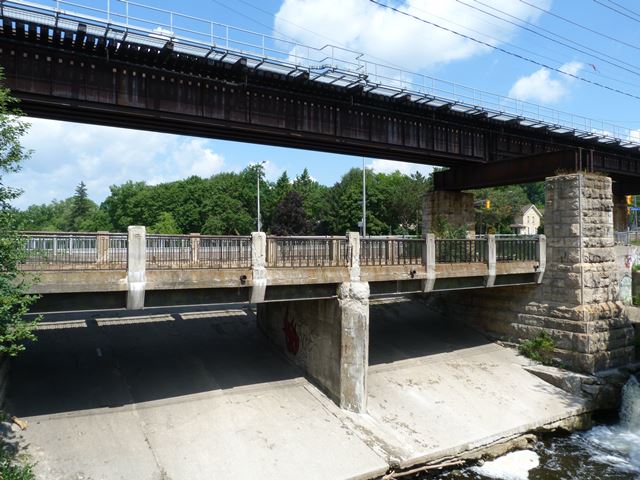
column 539, row 348
column 290, row 217
column 165, row 224
column 14, row 303
column 441, row 228
column 14, row 468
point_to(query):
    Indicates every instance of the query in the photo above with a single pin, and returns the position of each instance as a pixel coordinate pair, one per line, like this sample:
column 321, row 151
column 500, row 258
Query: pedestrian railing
column 197, row 251
column 308, row 252
column 110, row 251
column 461, row 250
column 516, row 249
column 74, row 251
column 391, row 251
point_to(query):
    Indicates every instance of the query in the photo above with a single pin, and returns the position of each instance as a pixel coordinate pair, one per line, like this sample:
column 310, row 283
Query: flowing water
column 606, row 452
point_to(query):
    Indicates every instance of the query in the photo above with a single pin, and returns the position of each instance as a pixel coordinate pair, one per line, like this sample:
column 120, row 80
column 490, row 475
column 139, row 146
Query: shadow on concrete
column 407, row 329
column 98, row 362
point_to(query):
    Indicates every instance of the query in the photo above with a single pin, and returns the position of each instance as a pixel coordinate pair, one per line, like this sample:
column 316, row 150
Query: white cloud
column 67, row 153
column 365, row 27
column 543, row 86
column 390, row 166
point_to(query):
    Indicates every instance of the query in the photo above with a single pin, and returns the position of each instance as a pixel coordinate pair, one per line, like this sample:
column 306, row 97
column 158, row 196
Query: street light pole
column 364, row 200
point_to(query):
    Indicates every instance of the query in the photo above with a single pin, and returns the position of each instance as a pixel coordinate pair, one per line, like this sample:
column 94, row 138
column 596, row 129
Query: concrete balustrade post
column 136, row 267
column 491, row 260
column 258, row 266
column 541, row 256
column 195, row 246
column 429, row 262
column 102, row 247
column 354, row 249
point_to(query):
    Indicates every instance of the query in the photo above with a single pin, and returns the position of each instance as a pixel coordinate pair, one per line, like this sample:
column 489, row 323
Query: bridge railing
column 308, row 252
column 197, row 251
column 461, row 250
column 74, row 251
column 516, row 249
column 391, row 251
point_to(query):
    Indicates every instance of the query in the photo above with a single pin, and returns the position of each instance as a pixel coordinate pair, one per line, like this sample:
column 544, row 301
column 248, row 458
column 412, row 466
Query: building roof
column 526, row 208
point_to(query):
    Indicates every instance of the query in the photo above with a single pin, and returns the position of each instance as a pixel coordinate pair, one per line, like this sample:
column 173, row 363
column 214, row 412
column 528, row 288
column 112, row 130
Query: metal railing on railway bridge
column 109, row 251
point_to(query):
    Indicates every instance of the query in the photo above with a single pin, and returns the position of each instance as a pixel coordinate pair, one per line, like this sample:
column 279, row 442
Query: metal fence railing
column 461, row 250
column 74, row 251
column 187, row 251
column 223, row 252
column 391, row 251
column 308, row 252
column 516, row 249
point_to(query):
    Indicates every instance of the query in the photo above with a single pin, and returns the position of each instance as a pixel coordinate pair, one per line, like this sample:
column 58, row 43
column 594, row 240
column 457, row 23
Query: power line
column 549, row 38
column 595, row 32
column 559, row 62
column 505, row 51
column 625, row 8
column 617, row 11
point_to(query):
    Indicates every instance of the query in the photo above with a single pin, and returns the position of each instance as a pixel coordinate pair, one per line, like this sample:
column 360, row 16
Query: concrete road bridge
column 185, row 75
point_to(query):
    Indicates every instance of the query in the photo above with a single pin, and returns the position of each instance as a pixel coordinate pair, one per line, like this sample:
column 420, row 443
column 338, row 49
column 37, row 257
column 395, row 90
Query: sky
column 548, row 52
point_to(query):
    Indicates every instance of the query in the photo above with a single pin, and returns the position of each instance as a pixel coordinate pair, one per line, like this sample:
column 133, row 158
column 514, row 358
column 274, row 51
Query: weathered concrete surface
column 203, row 395
column 437, row 388
column 182, row 397
column 328, row 339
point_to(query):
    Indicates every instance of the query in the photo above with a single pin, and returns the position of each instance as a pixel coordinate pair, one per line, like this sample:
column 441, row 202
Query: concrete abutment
column 578, row 301
column 328, row 339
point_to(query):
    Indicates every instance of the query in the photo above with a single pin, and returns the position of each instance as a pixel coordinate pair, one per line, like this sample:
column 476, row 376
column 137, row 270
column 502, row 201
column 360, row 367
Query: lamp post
column 259, row 171
column 364, row 199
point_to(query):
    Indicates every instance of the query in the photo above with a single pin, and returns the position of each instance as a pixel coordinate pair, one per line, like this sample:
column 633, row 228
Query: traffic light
column 628, row 210
column 629, row 199
column 487, row 204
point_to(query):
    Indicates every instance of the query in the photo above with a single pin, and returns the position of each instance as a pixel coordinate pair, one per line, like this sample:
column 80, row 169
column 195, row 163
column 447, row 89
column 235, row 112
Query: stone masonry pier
column 578, row 302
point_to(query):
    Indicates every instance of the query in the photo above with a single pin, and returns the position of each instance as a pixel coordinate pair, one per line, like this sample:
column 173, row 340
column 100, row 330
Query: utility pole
column 364, row 199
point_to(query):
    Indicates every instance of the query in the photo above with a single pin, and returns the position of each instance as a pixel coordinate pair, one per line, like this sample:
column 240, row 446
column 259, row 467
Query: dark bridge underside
column 68, row 75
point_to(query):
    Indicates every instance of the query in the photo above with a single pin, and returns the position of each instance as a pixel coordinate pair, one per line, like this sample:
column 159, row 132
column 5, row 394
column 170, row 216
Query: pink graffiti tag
column 291, row 336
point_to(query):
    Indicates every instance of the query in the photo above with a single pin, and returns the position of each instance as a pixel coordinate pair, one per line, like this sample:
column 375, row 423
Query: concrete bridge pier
column 328, row 339
column 578, row 302
column 620, row 213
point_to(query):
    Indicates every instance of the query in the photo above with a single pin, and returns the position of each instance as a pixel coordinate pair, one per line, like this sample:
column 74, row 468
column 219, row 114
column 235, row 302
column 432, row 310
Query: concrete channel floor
column 201, row 394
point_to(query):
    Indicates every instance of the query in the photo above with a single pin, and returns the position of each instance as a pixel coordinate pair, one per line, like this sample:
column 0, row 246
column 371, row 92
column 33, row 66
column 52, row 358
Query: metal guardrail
column 391, row 251
column 516, row 249
column 308, row 252
column 196, row 251
column 461, row 250
column 333, row 64
column 74, row 251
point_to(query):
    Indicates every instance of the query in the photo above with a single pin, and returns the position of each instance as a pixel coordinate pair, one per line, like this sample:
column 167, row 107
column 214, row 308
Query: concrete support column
column 354, row 249
column 258, row 266
column 136, row 267
column 102, row 247
column 429, row 262
column 328, row 339
column 620, row 215
column 541, row 255
column 195, row 246
column 491, row 260
column 453, row 208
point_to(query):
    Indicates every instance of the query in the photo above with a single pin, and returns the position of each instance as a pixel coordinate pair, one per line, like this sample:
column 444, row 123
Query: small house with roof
column 528, row 220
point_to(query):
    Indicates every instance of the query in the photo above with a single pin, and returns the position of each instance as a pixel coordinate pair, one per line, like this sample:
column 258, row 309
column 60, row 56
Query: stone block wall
column 578, row 302
column 454, row 207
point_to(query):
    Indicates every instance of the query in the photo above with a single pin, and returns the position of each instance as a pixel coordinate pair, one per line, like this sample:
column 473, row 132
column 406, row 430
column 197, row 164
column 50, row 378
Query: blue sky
column 65, row 153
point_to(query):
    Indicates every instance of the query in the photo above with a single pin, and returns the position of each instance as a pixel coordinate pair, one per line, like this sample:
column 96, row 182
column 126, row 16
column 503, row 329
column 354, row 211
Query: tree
column 165, row 224
column 14, row 301
column 289, row 217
